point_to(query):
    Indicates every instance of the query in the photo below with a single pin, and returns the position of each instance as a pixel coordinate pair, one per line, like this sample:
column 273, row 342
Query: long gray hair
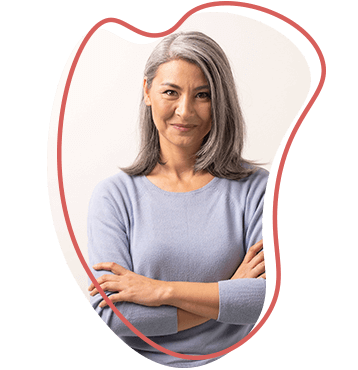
column 221, row 150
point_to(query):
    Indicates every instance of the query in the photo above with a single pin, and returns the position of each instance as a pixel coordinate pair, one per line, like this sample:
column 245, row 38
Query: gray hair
column 221, row 151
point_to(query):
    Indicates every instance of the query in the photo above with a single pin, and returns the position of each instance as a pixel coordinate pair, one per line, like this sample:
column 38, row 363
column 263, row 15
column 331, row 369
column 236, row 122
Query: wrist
column 168, row 293
column 198, row 298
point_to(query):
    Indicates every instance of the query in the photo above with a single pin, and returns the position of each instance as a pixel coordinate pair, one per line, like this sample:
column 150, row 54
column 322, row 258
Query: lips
column 181, row 127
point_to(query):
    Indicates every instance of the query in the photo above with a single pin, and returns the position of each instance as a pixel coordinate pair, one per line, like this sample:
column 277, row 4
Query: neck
column 179, row 162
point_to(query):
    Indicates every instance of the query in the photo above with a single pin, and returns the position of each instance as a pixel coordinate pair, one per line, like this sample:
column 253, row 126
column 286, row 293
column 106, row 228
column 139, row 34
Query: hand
column 253, row 265
column 130, row 287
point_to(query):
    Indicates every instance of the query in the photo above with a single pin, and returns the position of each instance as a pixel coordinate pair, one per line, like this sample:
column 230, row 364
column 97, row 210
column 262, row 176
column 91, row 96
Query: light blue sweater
column 200, row 236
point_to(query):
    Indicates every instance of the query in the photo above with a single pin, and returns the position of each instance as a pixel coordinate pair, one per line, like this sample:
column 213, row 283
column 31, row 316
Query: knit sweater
column 196, row 236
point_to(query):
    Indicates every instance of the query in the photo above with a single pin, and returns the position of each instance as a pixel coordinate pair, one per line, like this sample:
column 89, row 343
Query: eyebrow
column 179, row 88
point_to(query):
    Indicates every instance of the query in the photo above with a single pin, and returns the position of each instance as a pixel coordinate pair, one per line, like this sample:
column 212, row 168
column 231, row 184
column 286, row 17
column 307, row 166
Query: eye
column 203, row 95
column 170, row 93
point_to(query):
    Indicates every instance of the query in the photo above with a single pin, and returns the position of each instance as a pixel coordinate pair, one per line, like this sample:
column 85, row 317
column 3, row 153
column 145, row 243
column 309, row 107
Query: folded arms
column 236, row 301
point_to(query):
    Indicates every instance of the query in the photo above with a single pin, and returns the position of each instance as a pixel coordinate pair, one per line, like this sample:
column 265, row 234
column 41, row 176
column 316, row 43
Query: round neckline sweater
column 200, row 236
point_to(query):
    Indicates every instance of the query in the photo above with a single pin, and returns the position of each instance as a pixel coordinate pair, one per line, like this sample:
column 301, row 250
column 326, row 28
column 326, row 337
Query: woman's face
column 181, row 105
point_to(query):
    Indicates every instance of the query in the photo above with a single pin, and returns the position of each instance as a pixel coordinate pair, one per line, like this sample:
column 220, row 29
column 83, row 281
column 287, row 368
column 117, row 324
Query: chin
column 183, row 142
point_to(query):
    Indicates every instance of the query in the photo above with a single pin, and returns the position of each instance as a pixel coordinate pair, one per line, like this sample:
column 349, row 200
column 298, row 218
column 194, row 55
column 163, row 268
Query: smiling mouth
column 182, row 127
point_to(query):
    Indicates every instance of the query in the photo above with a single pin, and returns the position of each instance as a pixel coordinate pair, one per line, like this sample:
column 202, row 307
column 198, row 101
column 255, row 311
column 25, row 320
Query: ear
column 146, row 93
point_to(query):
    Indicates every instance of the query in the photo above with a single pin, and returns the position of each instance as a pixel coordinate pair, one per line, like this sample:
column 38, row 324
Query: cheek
column 206, row 116
column 162, row 110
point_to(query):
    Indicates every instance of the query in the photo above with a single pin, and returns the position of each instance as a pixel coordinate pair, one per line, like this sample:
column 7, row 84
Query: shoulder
column 247, row 194
column 119, row 188
column 254, row 183
column 257, row 180
column 254, row 187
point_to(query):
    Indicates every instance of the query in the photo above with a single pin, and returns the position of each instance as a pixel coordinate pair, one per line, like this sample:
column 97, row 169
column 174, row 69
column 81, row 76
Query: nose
column 185, row 107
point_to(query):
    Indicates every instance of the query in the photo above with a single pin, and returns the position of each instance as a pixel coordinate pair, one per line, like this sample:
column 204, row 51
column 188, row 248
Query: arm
column 252, row 267
column 204, row 298
column 196, row 302
column 198, row 298
column 107, row 241
column 187, row 320
column 236, row 301
column 240, row 299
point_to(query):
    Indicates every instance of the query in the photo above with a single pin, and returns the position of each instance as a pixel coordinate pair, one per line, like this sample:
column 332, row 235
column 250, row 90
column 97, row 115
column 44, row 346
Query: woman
column 170, row 236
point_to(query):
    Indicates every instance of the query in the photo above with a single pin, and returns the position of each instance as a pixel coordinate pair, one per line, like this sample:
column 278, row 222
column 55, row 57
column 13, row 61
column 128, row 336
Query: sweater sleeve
column 241, row 300
column 108, row 242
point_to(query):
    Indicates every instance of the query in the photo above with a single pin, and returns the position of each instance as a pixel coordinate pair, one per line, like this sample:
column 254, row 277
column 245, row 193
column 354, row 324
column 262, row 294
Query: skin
column 179, row 95
column 179, row 98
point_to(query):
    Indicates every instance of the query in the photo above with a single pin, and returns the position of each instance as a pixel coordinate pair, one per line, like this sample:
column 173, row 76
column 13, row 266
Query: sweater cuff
column 241, row 300
column 150, row 321
column 164, row 321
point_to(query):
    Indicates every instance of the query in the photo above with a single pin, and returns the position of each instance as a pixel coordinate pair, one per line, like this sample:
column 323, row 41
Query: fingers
column 103, row 279
column 254, row 250
column 258, row 258
column 114, row 298
column 257, row 246
column 109, row 283
column 255, row 259
column 110, row 266
column 263, row 276
column 108, row 286
column 258, row 269
column 258, row 264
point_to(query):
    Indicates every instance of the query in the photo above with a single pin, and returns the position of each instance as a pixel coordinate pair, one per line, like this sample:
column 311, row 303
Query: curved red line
column 277, row 183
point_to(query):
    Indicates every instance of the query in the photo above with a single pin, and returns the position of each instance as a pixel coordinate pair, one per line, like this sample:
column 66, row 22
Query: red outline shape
column 277, row 184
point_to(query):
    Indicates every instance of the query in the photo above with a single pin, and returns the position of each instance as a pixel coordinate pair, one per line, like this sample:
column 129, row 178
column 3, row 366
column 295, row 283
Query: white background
column 101, row 119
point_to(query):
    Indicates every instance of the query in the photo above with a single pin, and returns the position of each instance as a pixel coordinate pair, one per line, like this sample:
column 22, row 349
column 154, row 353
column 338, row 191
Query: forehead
column 180, row 72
